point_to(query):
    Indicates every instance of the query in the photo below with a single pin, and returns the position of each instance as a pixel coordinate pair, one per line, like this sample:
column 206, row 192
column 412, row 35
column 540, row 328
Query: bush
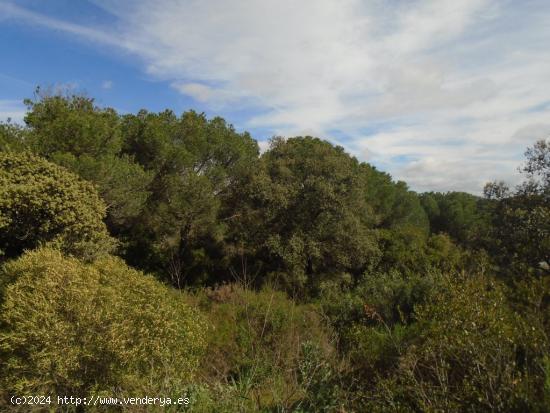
column 70, row 328
column 255, row 351
column 380, row 299
column 323, row 391
column 41, row 203
column 442, row 343
column 471, row 353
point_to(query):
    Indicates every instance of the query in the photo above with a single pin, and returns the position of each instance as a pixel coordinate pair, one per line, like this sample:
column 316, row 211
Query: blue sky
column 445, row 95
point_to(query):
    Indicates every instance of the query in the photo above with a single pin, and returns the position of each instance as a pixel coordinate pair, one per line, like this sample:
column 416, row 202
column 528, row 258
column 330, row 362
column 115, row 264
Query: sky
column 445, row 95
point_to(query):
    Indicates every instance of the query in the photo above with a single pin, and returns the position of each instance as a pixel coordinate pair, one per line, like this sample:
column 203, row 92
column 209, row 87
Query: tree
column 310, row 219
column 393, row 204
column 537, row 167
column 122, row 183
column 401, row 223
column 521, row 219
column 71, row 124
column 71, row 328
column 12, row 137
column 461, row 215
column 196, row 164
column 86, row 139
column 42, row 203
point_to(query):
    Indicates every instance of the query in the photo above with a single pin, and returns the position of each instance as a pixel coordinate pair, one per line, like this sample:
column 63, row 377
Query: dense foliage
column 311, row 220
column 298, row 280
column 71, row 328
column 41, row 203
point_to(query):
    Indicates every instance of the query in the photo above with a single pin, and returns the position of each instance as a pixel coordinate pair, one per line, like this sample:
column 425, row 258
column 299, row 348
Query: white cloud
column 536, row 131
column 13, row 110
column 462, row 175
column 444, row 94
column 264, row 146
column 215, row 97
column 107, row 84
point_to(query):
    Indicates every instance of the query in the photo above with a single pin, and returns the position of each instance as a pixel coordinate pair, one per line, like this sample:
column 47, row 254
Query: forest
column 163, row 255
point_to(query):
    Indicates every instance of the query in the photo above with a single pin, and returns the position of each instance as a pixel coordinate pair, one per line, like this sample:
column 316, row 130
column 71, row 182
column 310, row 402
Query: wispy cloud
column 107, row 84
column 443, row 94
column 12, row 11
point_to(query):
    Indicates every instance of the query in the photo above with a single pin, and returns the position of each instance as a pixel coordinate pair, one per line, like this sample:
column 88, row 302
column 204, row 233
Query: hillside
column 162, row 255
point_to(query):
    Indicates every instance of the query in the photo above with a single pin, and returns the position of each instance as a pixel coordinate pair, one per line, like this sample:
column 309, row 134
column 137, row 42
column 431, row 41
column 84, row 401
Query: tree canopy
column 311, row 217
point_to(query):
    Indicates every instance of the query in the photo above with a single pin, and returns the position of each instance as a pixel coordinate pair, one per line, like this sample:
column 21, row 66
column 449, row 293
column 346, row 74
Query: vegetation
column 297, row 280
column 72, row 328
column 43, row 204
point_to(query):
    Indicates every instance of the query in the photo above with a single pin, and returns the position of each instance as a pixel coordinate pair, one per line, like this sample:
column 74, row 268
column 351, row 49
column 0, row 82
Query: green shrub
column 471, row 353
column 320, row 380
column 42, row 203
column 255, row 350
column 442, row 343
column 70, row 328
column 380, row 300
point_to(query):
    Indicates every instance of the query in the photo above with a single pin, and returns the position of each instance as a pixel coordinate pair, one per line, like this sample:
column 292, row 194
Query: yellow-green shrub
column 70, row 328
column 42, row 203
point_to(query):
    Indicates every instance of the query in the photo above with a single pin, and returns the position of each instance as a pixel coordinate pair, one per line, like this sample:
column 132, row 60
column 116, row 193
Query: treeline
column 299, row 279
